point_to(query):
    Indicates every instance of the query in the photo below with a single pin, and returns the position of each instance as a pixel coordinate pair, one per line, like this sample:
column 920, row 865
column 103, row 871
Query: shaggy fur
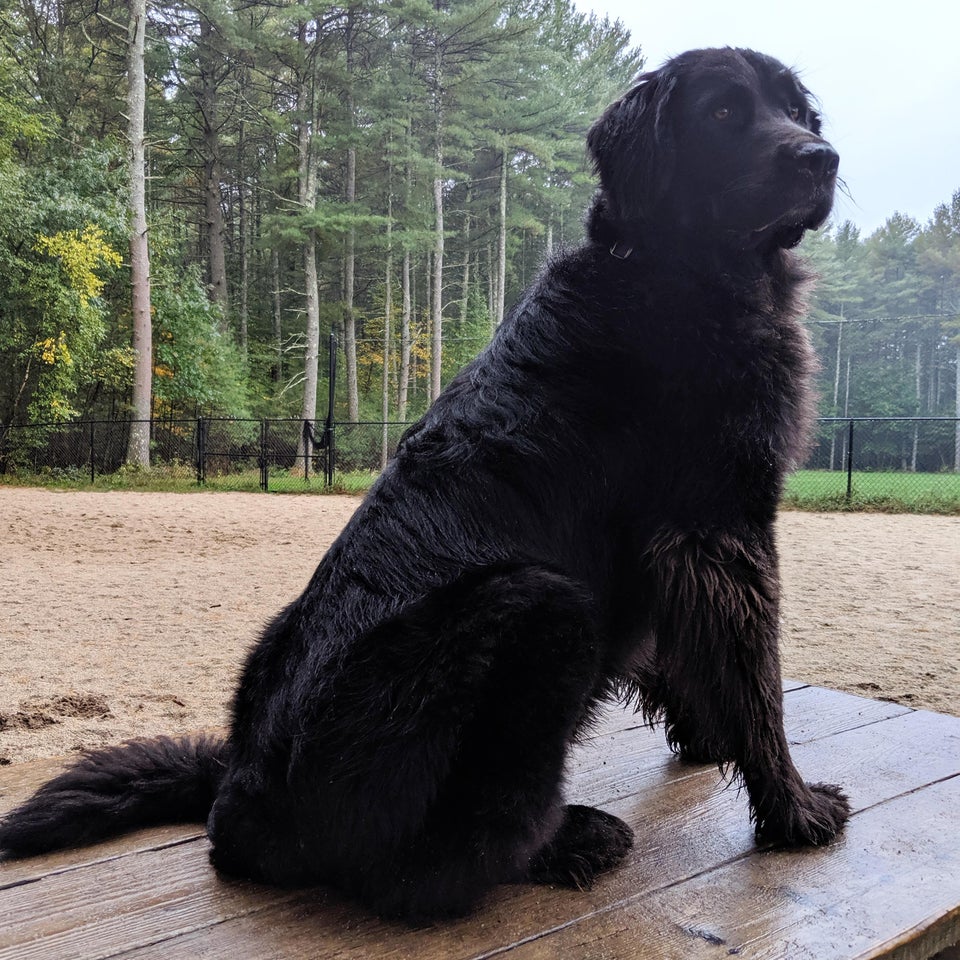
column 587, row 511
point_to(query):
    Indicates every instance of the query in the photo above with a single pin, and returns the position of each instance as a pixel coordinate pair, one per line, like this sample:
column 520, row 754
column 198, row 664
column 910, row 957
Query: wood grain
column 695, row 885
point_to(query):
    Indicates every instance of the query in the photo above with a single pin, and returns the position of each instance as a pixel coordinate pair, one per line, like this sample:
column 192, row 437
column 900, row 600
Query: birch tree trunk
column 349, row 318
column 836, row 388
column 491, row 289
column 277, row 315
column 502, row 252
column 404, row 372
column 387, row 311
column 307, row 187
column 213, row 211
column 138, row 447
column 436, row 311
column 916, row 426
column 465, row 285
column 956, row 441
column 436, row 298
column 349, row 265
column 312, row 342
column 243, row 243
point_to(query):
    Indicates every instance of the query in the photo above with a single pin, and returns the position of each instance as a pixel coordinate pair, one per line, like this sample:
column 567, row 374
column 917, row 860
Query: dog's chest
column 761, row 387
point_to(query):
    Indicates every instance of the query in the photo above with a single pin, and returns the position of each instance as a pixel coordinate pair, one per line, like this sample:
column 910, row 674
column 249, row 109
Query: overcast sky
column 887, row 75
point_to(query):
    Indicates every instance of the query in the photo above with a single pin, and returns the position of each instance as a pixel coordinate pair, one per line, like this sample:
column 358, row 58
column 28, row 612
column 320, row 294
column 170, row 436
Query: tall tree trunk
column 502, row 260
column 916, row 426
column 956, row 441
column 243, row 241
column 138, row 448
column 465, row 285
column 307, row 177
column 214, row 227
column 312, row 341
column 277, row 315
column 349, row 318
column 404, row 372
column 387, row 311
column 836, row 388
column 436, row 312
column 436, row 305
column 349, row 265
column 491, row 289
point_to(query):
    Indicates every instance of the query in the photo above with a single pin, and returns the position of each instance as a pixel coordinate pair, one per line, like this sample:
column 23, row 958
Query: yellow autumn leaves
column 54, row 349
column 80, row 255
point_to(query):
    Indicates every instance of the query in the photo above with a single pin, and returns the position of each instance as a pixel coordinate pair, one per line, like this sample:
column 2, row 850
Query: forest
column 193, row 196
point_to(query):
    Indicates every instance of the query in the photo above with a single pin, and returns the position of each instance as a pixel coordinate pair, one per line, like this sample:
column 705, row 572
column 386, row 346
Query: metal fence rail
column 279, row 453
column 853, row 458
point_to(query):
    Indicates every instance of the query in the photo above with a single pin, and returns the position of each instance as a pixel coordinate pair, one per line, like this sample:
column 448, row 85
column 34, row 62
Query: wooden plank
column 171, row 904
column 890, row 888
column 632, row 756
column 684, row 829
column 96, row 911
column 14, row 873
column 814, row 712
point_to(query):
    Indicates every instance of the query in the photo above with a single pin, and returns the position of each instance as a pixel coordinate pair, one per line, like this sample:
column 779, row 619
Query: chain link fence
column 269, row 454
column 856, row 463
column 905, row 463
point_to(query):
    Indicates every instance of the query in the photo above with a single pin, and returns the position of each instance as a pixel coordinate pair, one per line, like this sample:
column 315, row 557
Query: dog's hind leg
column 499, row 815
column 717, row 650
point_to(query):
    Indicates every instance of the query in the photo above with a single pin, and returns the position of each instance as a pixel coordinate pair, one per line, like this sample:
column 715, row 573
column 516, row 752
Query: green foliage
column 884, row 317
column 235, row 91
column 196, row 363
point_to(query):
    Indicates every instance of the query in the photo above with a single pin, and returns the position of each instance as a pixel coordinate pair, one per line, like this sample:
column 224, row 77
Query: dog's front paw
column 813, row 819
column 588, row 842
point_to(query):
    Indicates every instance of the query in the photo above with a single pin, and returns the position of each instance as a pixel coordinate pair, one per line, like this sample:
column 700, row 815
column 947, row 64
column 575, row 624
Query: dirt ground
column 126, row 614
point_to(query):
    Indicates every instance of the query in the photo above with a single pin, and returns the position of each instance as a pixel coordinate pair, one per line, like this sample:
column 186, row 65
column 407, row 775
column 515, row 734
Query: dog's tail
column 139, row 783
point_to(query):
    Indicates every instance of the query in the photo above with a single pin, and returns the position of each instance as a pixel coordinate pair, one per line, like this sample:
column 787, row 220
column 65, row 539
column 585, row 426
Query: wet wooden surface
column 695, row 886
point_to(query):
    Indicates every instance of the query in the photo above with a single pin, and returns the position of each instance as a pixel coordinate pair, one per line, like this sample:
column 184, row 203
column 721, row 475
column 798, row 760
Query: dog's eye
column 794, row 112
column 722, row 113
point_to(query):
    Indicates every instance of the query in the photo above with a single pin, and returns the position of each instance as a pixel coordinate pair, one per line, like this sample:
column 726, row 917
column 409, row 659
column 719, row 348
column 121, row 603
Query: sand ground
column 126, row 614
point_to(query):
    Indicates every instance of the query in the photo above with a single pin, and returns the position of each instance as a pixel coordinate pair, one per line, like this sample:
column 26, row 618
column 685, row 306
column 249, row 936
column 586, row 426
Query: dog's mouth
column 786, row 230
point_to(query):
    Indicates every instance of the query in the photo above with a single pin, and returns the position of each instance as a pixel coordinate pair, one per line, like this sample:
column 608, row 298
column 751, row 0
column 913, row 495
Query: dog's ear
column 632, row 148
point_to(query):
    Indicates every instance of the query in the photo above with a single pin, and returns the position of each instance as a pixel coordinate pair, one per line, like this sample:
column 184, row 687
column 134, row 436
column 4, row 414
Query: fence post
column 850, row 463
column 92, row 474
column 307, row 449
column 328, row 427
column 201, row 452
column 264, row 470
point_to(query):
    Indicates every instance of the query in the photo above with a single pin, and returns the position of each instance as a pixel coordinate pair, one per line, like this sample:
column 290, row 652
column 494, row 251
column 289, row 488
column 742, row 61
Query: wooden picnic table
column 695, row 886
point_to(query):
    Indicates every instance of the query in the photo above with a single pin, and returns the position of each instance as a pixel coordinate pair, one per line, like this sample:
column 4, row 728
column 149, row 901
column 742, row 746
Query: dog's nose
column 820, row 159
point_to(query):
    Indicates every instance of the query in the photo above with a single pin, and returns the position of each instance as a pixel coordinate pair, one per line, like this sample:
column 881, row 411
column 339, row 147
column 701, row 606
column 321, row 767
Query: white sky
column 887, row 74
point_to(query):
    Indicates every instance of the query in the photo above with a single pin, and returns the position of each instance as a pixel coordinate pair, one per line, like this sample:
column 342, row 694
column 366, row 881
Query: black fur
column 587, row 511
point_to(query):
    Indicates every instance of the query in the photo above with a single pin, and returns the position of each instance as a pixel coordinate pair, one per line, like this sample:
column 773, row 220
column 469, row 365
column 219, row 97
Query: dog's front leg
column 717, row 626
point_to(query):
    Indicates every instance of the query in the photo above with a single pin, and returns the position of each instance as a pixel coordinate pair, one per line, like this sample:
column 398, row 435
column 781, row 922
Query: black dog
column 586, row 512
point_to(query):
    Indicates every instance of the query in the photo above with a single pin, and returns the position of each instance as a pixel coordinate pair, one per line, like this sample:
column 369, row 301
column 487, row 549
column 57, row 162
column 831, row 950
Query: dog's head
column 725, row 142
